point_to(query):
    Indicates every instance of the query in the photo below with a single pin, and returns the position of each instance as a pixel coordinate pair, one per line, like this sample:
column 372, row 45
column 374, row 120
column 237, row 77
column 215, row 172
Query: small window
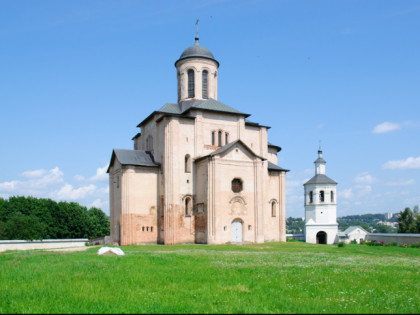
column 311, row 197
column 187, row 163
column 151, row 229
column 226, row 138
column 147, row 229
column 332, row 196
column 213, row 138
column 188, row 206
column 191, row 84
column 236, row 185
column 249, row 227
column 321, row 196
column 205, row 92
column 142, row 229
column 219, row 138
column 273, row 209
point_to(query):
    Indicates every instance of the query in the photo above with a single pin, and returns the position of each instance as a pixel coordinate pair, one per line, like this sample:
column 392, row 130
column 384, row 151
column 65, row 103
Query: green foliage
column 295, row 225
column 280, row 278
column 31, row 218
column 408, row 221
column 391, row 244
column 341, row 244
column 381, row 228
column 353, row 242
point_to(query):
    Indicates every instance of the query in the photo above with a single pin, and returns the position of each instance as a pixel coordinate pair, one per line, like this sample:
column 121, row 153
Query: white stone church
column 200, row 171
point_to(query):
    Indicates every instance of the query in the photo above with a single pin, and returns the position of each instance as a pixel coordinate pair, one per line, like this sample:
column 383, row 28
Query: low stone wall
column 399, row 238
column 103, row 240
column 298, row 237
column 41, row 244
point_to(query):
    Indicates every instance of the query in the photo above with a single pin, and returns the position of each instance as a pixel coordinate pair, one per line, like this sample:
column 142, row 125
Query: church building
column 320, row 193
column 199, row 172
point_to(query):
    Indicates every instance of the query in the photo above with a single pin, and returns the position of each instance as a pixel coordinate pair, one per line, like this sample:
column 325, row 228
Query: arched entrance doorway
column 236, row 231
column 321, row 237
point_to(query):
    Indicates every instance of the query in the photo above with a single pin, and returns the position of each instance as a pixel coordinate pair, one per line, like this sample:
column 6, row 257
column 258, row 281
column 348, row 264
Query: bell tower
column 320, row 191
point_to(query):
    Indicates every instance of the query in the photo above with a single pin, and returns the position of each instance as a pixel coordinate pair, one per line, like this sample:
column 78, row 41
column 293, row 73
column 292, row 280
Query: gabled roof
column 320, row 179
column 353, row 228
column 227, row 147
column 133, row 157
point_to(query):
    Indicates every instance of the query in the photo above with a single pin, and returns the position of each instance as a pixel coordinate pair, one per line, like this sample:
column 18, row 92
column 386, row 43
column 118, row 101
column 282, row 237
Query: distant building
column 388, row 215
column 320, row 191
column 353, row 233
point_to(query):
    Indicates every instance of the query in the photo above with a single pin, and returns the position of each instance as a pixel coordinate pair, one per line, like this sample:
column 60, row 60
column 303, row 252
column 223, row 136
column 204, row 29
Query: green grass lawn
column 291, row 277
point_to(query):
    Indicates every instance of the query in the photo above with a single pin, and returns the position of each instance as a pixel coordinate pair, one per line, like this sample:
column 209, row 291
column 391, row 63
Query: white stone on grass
column 110, row 250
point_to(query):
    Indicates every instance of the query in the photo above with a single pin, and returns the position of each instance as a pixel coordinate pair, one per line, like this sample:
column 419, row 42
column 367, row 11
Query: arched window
column 321, row 196
column 273, row 208
column 188, row 206
column 236, row 185
column 191, row 84
column 226, row 138
column 205, row 91
column 332, row 196
column 187, row 163
column 219, row 138
column 311, row 197
column 213, row 138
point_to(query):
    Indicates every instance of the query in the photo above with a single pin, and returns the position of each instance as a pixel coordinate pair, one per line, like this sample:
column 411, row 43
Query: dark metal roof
column 197, row 51
column 274, row 167
column 320, row 160
column 320, row 179
column 136, row 136
column 133, row 157
column 251, row 123
column 274, row 146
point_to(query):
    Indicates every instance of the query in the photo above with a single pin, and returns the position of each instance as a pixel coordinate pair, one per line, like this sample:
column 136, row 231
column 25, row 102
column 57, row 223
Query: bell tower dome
column 196, row 73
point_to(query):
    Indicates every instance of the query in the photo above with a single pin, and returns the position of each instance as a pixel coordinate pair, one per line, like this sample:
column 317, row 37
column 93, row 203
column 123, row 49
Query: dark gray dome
column 197, row 51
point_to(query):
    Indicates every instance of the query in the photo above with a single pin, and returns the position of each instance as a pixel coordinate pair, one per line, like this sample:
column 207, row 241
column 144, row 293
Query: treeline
column 29, row 218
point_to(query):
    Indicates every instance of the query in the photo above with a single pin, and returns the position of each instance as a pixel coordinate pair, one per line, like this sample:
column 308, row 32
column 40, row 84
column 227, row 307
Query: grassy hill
column 288, row 277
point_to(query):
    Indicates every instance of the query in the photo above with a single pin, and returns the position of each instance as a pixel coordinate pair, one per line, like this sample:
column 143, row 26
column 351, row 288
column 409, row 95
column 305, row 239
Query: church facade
column 199, row 172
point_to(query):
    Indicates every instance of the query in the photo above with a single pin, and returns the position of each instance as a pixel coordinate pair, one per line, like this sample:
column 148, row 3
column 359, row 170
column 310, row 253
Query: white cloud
column 101, row 174
column 67, row 192
column 346, row 193
column 37, row 182
column 364, row 178
column 98, row 203
column 362, row 190
column 51, row 184
column 79, row 178
column 410, row 163
column 386, row 127
column 401, row 182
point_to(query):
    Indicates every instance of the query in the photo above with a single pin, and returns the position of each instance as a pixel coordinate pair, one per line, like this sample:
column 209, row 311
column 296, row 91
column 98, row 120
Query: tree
column 381, row 228
column 407, row 221
column 100, row 225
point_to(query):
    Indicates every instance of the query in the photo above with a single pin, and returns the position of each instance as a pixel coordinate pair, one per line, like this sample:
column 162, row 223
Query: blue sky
column 76, row 77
